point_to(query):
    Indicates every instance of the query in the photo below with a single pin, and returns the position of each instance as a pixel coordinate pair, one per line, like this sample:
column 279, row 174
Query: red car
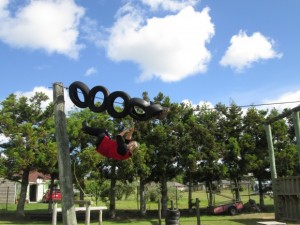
column 56, row 195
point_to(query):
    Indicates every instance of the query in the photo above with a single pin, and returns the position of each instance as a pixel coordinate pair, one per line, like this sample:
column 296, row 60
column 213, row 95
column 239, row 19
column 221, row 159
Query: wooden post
column 159, row 212
column 100, row 217
column 87, row 214
column 54, row 214
column 297, row 132
column 7, row 195
column 64, row 164
column 272, row 166
column 198, row 211
column 271, row 151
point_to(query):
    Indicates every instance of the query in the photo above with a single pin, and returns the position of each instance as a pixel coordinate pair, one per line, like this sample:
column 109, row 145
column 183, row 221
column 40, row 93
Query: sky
column 201, row 51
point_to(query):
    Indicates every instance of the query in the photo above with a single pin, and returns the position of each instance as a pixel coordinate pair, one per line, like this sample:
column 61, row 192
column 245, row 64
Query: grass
column 127, row 213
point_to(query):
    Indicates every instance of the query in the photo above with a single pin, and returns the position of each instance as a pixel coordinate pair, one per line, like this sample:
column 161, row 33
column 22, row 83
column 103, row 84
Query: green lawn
column 127, row 209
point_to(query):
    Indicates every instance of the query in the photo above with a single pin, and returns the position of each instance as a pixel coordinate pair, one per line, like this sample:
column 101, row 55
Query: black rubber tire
column 73, row 93
column 140, row 103
column 171, row 222
column 92, row 95
column 154, row 109
column 110, row 104
column 232, row 211
column 172, row 214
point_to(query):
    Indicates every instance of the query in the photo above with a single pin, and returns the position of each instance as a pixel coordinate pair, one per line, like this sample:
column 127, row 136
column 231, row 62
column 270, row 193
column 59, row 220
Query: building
column 37, row 187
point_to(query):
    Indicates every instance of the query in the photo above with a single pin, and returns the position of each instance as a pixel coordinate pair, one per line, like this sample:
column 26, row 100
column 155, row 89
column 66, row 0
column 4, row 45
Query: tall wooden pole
column 64, row 160
column 297, row 132
column 272, row 167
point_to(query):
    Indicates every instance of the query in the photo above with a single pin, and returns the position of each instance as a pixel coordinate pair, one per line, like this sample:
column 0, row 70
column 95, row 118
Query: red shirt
column 108, row 148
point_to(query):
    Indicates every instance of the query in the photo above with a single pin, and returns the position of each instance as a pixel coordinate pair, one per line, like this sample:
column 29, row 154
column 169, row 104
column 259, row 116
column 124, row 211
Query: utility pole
column 64, row 160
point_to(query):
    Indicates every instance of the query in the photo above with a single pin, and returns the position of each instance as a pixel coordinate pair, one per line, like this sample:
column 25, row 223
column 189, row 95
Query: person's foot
column 84, row 125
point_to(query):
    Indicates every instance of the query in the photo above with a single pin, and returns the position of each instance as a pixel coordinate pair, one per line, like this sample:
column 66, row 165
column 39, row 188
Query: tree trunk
column 261, row 194
column 164, row 195
column 190, row 199
column 237, row 190
column 142, row 198
column 51, row 191
column 112, row 197
column 210, row 197
column 22, row 200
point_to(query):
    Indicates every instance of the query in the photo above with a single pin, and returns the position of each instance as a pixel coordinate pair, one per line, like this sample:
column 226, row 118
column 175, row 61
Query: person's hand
column 131, row 129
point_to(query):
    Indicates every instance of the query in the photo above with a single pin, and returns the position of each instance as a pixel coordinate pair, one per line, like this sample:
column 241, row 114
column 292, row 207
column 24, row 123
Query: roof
column 34, row 175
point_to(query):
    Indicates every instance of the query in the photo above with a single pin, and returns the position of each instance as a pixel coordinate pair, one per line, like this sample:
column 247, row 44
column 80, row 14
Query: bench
column 88, row 208
column 271, row 223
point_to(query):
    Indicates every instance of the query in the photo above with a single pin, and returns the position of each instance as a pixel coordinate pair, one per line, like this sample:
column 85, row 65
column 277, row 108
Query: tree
column 210, row 167
column 284, row 147
column 22, row 122
column 82, row 146
column 163, row 142
column 190, row 142
column 254, row 148
column 231, row 124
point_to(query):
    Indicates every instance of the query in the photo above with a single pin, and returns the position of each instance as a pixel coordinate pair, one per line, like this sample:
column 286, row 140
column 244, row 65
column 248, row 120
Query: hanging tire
column 92, row 95
column 73, row 93
column 110, row 104
column 138, row 109
column 154, row 109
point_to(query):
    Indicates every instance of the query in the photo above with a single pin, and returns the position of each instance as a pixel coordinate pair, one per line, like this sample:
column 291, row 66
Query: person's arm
column 122, row 146
column 127, row 134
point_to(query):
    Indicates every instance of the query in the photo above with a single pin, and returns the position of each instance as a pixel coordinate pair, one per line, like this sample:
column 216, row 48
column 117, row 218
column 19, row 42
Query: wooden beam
column 63, row 153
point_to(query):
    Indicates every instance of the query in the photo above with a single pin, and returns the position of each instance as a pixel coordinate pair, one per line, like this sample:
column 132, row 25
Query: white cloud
column 3, row 139
column 244, row 50
column 92, row 32
column 290, row 99
column 90, row 71
column 50, row 25
column 170, row 48
column 202, row 104
column 171, row 5
column 49, row 92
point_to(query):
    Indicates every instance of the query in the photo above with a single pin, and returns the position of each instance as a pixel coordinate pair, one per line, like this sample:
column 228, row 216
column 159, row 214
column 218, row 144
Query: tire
column 232, row 210
column 171, row 222
column 73, row 93
column 172, row 213
column 92, row 95
column 138, row 104
column 154, row 110
column 110, row 104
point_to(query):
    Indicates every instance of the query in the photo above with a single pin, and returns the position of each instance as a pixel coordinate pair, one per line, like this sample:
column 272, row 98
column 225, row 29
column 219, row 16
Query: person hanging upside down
column 121, row 148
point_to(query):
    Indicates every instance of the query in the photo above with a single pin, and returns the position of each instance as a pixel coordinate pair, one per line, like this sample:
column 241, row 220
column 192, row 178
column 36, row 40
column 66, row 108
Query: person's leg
column 92, row 130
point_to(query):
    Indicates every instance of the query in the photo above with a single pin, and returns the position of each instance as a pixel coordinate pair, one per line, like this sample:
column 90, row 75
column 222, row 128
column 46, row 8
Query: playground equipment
column 232, row 206
column 87, row 209
column 137, row 108
column 286, row 191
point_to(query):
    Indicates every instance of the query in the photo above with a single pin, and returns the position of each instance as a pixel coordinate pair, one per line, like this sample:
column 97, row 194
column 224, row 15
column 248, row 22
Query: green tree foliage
column 284, row 147
column 163, row 142
column 82, row 146
column 196, row 144
column 254, row 149
column 230, row 123
column 23, row 122
column 210, row 167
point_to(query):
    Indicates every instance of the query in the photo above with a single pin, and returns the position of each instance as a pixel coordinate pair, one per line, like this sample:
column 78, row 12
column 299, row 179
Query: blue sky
column 196, row 50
